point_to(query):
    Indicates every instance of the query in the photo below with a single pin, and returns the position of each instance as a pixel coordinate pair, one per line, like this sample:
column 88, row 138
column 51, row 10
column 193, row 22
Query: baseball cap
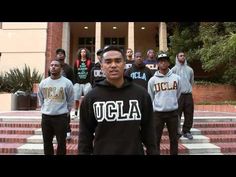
column 162, row 55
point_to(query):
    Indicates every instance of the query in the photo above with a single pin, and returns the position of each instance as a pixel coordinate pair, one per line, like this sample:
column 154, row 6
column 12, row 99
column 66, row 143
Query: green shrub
column 22, row 80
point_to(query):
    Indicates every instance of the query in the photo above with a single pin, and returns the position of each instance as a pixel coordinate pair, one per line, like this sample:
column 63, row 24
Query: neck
column 164, row 71
column 116, row 83
column 129, row 58
column 55, row 76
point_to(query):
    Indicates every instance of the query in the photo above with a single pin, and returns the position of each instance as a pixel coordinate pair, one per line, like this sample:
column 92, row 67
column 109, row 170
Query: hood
column 158, row 74
column 97, row 64
column 105, row 83
column 177, row 63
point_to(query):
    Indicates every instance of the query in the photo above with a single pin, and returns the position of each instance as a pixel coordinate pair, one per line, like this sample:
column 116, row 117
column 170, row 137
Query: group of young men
column 126, row 103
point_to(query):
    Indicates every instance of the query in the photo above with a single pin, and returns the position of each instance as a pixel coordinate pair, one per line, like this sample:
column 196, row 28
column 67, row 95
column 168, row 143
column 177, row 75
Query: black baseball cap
column 163, row 55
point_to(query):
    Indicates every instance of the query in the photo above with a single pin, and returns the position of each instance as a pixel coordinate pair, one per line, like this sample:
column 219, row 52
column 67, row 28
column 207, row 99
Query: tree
column 213, row 43
column 184, row 37
column 218, row 52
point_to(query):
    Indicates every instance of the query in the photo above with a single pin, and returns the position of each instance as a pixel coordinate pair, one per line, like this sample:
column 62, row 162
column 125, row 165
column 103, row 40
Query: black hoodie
column 140, row 74
column 121, row 119
column 96, row 74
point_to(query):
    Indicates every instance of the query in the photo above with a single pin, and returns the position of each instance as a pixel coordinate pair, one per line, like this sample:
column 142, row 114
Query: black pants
column 186, row 105
column 68, row 123
column 54, row 125
column 171, row 121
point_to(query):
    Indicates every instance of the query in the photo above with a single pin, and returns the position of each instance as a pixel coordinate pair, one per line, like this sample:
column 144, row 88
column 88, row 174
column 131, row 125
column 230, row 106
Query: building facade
column 34, row 44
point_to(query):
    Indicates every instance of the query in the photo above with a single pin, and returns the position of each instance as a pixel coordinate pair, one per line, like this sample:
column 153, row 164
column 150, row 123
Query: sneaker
column 188, row 135
column 68, row 136
column 73, row 117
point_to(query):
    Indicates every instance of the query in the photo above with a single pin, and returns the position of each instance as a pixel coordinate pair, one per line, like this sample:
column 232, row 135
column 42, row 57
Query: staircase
column 212, row 136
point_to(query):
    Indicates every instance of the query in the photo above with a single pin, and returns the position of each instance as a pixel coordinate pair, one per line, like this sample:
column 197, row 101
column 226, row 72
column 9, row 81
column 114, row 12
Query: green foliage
column 219, row 49
column 17, row 80
column 214, row 43
column 185, row 38
column 230, row 75
column 3, row 84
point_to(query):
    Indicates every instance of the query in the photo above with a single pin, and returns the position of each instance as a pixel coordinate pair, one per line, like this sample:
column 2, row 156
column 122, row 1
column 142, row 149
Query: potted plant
column 20, row 82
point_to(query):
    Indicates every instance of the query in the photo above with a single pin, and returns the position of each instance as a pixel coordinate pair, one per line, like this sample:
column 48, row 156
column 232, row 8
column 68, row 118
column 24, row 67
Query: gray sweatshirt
column 164, row 91
column 56, row 96
column 186, row 74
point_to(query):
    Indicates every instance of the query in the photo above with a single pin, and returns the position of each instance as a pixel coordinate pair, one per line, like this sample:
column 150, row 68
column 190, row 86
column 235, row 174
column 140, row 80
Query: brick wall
column 54, row 41
column 212, row 93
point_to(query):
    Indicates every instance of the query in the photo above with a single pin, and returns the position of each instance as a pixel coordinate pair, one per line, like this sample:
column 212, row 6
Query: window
column 119, row 42
column 88, row 43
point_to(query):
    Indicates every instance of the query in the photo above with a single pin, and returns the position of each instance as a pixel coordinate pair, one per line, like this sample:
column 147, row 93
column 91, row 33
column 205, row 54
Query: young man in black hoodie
column 116, row 116
column 96, row 72
column 139, row 72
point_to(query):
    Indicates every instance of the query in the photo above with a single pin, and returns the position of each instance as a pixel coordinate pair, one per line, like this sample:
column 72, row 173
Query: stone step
column 199, row 148
column 226, row 138
column 74, row 131
column 21, row 124
column 39, row 139
column 207, row 153
column 9, row 148
column 16, row 130
column 213, row 124
column 14, row 138
column 165, row 149
column 164, row 139
column 37, row 149
column 227, row 147
column 217, row 131
column 213, row 119
column 30, row 149
column 196, row 139
column 194, row 131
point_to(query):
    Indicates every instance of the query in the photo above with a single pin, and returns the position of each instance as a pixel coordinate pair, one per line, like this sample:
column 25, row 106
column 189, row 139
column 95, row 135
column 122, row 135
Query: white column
column 66, row 40
column 131, row 35
column 163, row 37
column 98, row 34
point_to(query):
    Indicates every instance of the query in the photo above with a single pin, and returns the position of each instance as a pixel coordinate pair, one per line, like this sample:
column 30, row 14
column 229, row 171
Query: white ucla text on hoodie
column 164, row 91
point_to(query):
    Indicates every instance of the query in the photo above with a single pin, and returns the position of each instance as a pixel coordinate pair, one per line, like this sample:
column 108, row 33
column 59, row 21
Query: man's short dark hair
column 55, row 59
column 61, row 51
column 99, row 52
column 112, row 48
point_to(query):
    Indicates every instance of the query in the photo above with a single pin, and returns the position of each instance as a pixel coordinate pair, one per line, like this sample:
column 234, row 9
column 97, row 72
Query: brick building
column 34, row 44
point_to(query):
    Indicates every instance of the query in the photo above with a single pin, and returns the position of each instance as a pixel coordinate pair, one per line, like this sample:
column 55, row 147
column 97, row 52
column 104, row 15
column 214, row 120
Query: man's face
column 151, row 54
column 181, row 57
column 60, row 56
column 129, row 53
column 138, row 58
column 163, row 64
column 113, row 65
column 55, row 68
